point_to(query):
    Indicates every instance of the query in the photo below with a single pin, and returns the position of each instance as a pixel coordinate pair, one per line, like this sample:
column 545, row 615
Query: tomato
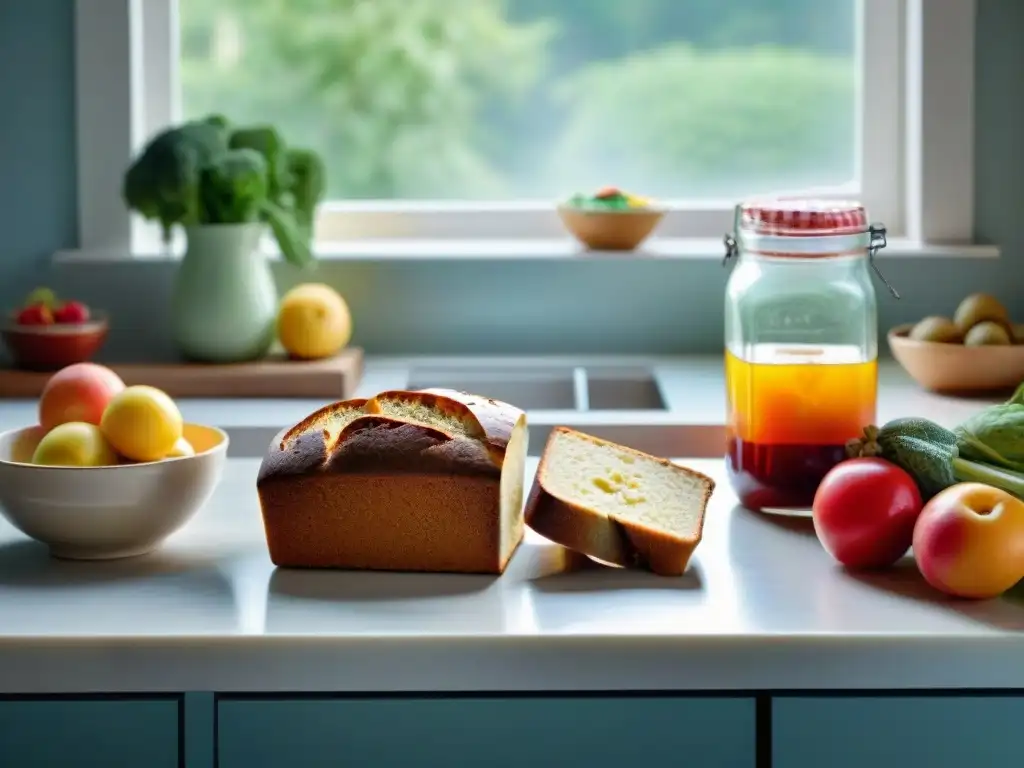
column 864, row 512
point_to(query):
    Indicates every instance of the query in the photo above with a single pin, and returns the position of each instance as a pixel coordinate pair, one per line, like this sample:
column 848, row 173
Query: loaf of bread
column 616, row 504
column 430, row 480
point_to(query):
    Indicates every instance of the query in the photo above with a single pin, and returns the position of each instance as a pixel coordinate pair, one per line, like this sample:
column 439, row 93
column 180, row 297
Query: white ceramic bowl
column 102, row 513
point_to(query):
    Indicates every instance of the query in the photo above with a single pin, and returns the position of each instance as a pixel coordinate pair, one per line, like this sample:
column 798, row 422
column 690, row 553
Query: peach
column 969, row 541
column 79, row 392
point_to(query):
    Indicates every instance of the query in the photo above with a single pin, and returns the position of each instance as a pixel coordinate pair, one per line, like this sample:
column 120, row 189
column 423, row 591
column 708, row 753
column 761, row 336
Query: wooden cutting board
column 335, row 378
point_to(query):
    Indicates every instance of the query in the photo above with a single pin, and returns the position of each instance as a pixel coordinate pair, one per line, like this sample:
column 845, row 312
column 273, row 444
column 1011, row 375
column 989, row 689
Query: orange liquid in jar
column 791, row 409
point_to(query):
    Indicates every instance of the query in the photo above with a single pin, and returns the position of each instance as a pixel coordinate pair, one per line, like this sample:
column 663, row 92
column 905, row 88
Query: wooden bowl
column 954, row 368
column 610, row 230
column 52, row 347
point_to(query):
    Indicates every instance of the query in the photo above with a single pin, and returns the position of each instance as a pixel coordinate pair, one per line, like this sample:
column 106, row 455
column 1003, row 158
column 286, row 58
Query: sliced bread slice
column 617, row 504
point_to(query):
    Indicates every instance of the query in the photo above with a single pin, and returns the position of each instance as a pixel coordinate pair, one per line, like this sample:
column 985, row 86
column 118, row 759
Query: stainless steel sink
column 554, row 388
column 534, row 389
column 629, row 389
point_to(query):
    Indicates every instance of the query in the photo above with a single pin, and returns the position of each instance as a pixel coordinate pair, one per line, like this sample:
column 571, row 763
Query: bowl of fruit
column 979, row 349
column 110, row 471
column 610, row 219
column 48, row 333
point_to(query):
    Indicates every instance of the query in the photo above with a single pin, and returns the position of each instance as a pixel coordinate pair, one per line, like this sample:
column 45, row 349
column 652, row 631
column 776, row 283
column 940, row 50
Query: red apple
column 969, row 541
column 864, row 512
column 71, row 312
column 36, row 314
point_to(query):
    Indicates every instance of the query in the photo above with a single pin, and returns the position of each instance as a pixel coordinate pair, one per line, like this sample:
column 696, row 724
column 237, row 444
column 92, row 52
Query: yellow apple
column 142, row 423
column 74, row 444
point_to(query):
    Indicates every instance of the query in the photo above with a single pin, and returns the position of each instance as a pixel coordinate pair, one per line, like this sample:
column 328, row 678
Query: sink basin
column 623, row 390
column 546, row 389
column 530, row 389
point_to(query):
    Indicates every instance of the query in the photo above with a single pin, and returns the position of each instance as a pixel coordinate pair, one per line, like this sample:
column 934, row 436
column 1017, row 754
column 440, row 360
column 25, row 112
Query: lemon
column 142, row 423
column 74, row 444
column 181, row 449
column 313, row 321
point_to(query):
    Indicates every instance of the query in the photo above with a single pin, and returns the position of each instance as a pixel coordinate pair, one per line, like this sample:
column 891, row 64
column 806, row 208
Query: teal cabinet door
column 89, row 733
column 896, row 732
column 497, row 733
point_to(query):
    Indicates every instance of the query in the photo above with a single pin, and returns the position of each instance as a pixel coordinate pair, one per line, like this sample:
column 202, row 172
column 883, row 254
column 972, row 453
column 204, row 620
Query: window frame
column 915, row 148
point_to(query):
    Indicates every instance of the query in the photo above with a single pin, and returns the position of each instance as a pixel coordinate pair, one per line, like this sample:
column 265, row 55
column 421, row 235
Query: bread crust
column 389, row 444
column 321, row 418
column 442, row 405
column 612, row 540
column 498, row 419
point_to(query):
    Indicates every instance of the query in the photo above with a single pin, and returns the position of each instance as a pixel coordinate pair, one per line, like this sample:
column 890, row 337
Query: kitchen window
column 464, row 120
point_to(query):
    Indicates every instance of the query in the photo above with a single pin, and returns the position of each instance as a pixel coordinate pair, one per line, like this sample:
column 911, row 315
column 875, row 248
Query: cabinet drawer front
column 89, row 734
column 897, row 731
column 498, row 733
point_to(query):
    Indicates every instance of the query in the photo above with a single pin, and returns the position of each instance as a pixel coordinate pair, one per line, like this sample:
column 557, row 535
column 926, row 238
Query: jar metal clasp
column 731, row 248
column 875, row 244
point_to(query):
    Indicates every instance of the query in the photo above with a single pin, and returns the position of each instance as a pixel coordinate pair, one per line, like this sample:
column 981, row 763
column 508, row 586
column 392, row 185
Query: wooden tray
column 335, row 378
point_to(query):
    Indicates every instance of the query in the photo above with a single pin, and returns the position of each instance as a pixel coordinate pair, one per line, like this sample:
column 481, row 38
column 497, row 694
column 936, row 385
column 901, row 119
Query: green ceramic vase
column 224, row 304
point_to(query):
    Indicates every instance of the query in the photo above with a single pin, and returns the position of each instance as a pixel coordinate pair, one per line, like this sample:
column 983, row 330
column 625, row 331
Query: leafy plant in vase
column 225, row 186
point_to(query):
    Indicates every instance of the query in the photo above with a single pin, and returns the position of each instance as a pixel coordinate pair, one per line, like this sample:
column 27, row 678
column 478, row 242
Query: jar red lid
column 803, row 217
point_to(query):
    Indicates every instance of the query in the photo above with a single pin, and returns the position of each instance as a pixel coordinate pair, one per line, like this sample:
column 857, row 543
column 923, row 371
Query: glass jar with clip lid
column 801, row 345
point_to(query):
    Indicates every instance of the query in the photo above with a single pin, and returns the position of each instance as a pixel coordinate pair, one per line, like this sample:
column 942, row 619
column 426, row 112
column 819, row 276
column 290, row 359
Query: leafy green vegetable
column 218, row 121
column 294, row 247
column 995, row 435
column 986, row 448
column 233, row 187
column 163, row 182
column 308, row 183
column 205, row 172
column 268, row 142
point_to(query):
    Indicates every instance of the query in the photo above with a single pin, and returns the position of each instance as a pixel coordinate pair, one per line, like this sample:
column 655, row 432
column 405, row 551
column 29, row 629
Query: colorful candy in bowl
column 610, row 219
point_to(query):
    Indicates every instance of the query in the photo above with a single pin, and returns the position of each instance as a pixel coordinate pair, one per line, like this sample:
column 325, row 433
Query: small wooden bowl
column 610, row 230
column 954, row 368
column 52, row 347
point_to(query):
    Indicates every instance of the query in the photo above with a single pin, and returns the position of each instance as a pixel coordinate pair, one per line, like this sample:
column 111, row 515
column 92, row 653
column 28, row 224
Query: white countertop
column 763, row 606
column 693, row 389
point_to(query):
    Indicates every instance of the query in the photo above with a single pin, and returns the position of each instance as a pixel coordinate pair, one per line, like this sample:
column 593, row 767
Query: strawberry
column 37, row 314
column 71, row 312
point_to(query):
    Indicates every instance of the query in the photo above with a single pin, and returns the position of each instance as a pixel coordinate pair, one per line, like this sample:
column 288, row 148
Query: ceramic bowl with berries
column 47, row 333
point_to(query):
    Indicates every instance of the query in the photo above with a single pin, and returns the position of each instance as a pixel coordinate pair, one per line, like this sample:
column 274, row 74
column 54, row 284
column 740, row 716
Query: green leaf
column 294, row 247
column 308, row 183
column 994, row 435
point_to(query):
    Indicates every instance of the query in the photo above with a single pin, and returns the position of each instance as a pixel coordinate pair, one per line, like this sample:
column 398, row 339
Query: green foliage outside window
column 497, row 99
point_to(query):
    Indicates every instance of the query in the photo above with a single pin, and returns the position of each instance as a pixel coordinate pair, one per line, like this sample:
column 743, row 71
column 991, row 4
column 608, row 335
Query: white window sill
column 561, row 249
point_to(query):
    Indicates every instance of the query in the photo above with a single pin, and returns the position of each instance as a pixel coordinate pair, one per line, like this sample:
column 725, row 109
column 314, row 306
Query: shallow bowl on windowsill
column 52, row 347
column 956, row 369
column 610, row 230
